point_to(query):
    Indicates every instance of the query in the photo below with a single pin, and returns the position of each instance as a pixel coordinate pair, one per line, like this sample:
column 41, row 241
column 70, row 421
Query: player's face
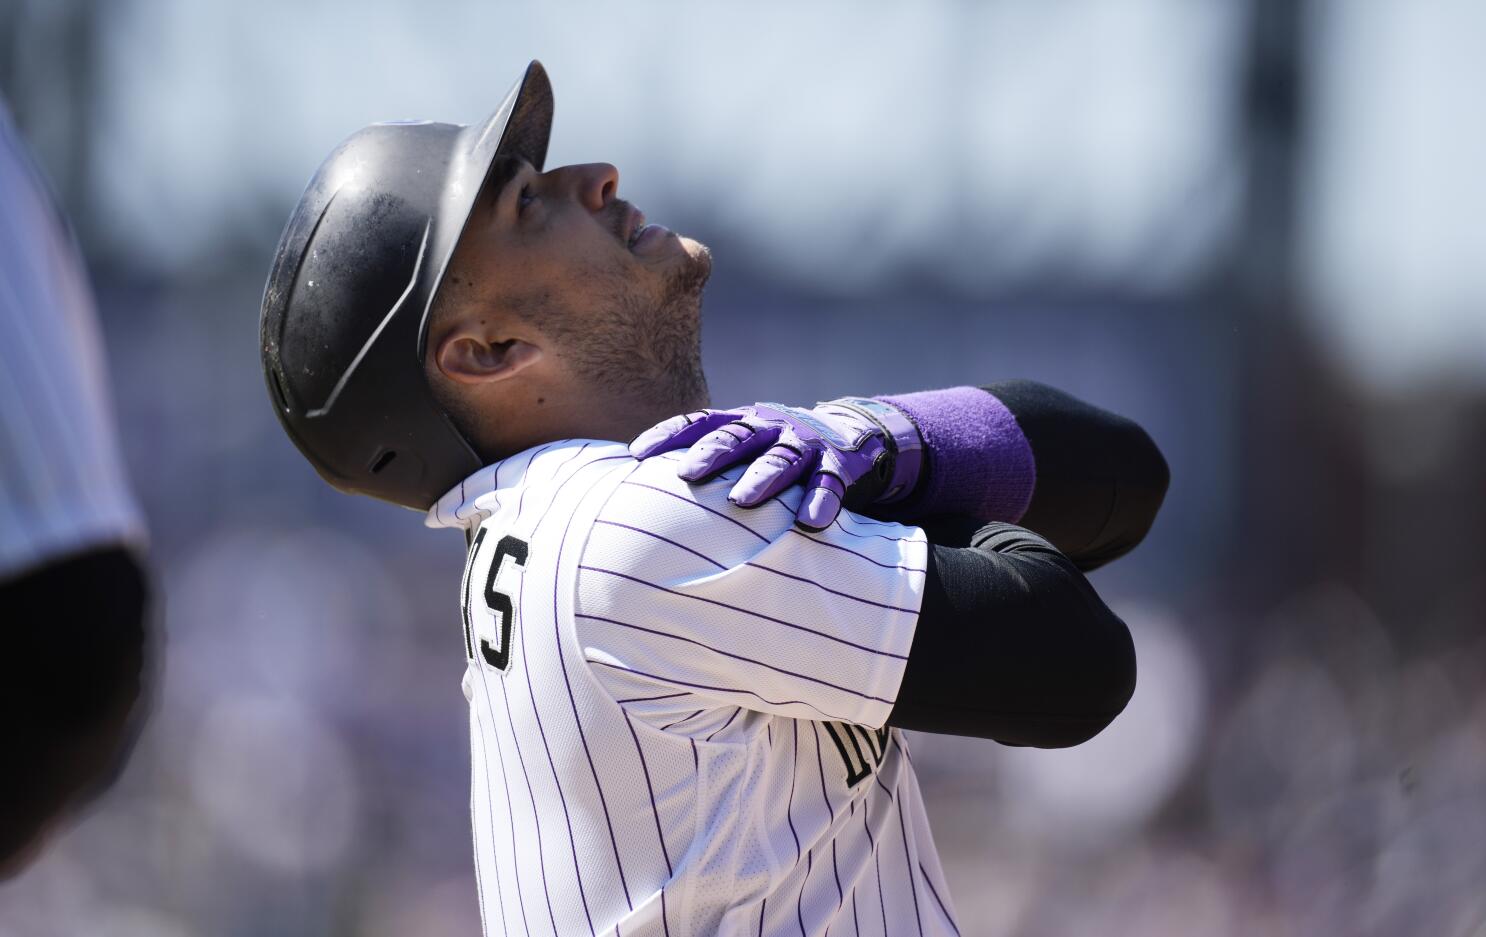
column 619, row 299
column 572, row 218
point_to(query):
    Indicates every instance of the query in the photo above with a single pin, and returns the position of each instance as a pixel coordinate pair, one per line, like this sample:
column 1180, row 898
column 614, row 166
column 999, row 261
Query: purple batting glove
column 679, row 431
column 717, row 439
column 851, row 452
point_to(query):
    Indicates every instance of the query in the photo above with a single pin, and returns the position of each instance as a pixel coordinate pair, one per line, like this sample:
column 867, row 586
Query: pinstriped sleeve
column 62, row 483
column 680, row 590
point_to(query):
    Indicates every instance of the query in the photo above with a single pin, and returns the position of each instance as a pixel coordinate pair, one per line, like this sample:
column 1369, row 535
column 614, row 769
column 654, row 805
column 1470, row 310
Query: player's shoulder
column 556, row 463
column 654, row 500
column 653, row 520
column 546, row 475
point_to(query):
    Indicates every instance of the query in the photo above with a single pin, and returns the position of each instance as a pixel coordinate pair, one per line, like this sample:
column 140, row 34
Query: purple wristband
column 979, row 463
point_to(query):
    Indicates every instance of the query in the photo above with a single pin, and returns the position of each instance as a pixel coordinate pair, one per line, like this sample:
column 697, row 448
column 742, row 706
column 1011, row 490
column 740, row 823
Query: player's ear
column 469, row 354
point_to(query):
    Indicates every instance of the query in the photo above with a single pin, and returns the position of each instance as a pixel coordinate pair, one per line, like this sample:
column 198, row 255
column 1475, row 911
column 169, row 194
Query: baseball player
column 686, row 673
column 72, row 588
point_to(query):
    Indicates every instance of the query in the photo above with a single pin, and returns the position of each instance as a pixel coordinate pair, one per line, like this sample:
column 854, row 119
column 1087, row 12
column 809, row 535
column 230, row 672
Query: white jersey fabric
column 676, row 707
column 62, row 483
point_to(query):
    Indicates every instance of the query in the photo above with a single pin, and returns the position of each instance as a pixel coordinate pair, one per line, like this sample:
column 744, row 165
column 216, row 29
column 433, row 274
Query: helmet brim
column 522, row 124
column 519, row 128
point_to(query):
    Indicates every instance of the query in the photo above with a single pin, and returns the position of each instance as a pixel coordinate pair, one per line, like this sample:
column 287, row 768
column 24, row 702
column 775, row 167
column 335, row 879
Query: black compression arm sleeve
column 1013, row 644
column 1100, row 478
column 75, row 659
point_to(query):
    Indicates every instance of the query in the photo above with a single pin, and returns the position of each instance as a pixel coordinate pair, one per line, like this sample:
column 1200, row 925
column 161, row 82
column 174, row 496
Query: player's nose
column 594, row 184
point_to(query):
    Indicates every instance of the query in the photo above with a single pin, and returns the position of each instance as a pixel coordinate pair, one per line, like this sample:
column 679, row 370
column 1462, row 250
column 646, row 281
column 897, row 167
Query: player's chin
column 694, row 249
column 669, row 250
column 692, row 262
column 699, row 254
column 679, row 274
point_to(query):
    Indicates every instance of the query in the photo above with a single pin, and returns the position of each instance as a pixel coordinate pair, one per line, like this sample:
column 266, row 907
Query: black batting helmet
column 345, row 311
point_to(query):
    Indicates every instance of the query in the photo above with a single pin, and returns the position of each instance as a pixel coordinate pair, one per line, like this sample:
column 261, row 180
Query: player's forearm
column 1013, row 644
column 1022, row 452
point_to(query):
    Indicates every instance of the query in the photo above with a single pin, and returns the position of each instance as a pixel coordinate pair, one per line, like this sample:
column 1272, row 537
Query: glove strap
column 903, row 440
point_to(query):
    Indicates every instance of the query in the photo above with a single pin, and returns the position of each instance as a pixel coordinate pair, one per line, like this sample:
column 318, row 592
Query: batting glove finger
column 824, row 495
column 783, row 465
column 679, row 432
column 724, row 447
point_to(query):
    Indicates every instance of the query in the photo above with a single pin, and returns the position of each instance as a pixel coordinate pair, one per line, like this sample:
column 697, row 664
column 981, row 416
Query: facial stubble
column 643, row 344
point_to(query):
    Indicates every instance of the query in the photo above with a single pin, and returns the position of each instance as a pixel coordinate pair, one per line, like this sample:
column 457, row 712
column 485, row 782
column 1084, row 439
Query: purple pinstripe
column 908, row 862
column 831, row 812
column 910, row 569
column 655, row 809
column 881, row 903
column 521, row 499
column 876, row 861
column 767, row 569
column 939, row 901
column 505, row 695
column 747, row 660
column 578, row 722
column 736, row 711
column 510, row 811
column 582, row 736
column 800, row 901
column 732, row 475
column 651, row 533
column 844, row 595
column 719, row 689
column 479, row 887
column 877, row 779
column 778, row 621
column 500, row 752
column 536, row 815
column 733, row 520
column 647, row 699
column 531, row 692
column 870, row 522
column 682, row 719
column 907, row 858
column 685, row 500
column 860, row 536
column 789, row 805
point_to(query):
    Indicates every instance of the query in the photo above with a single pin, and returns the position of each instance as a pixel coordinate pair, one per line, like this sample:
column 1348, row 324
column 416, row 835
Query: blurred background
column 1254, row 227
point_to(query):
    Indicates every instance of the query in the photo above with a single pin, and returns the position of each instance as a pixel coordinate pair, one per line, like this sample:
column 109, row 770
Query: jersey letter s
column 497, row 602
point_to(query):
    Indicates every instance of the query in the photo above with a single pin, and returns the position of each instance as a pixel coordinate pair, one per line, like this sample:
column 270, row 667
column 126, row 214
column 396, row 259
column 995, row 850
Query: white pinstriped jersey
column 676, row 707
column 62, row 483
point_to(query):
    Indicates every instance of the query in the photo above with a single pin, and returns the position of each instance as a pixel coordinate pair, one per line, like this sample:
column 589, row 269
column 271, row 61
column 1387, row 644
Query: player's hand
column 849, row 452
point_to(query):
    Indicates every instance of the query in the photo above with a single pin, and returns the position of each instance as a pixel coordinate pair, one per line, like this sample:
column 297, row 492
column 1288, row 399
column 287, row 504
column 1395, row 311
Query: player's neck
column 613, row 419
